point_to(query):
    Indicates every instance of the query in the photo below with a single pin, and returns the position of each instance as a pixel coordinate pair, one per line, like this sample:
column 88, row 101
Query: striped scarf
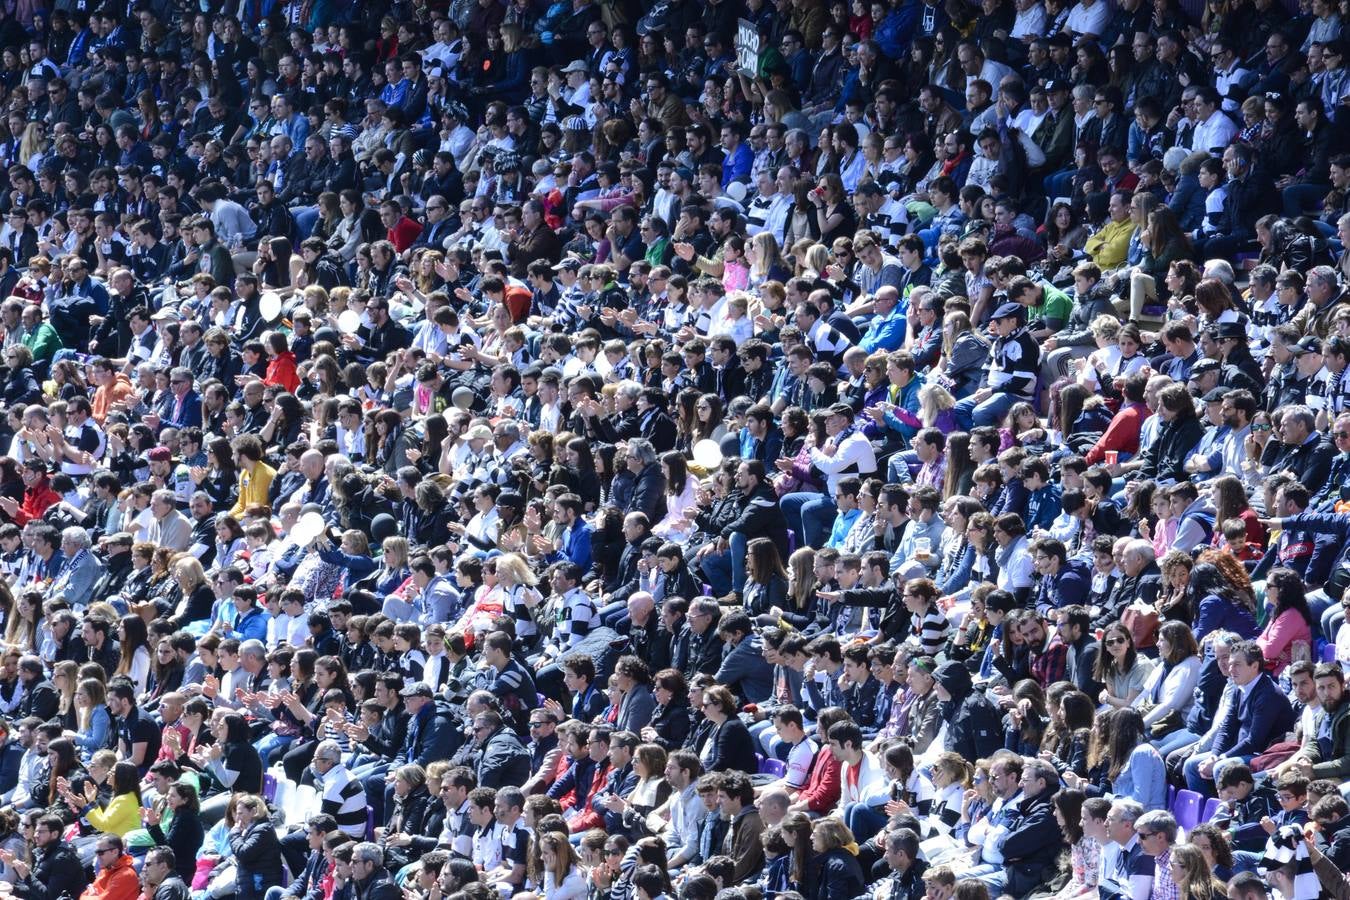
column 1284, row 847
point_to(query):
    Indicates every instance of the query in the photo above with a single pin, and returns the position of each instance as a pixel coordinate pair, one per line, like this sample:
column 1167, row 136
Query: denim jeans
column 901, row 466
column 1205, row 786
column 1174, row 741
column 990, row 411
column 810, row 516
column 864, row 821
column 269, row 744
column 1301, row 197
column 725, row 569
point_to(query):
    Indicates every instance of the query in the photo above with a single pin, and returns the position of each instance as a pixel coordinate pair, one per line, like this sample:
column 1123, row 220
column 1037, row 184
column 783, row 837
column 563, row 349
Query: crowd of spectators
column 700, row 449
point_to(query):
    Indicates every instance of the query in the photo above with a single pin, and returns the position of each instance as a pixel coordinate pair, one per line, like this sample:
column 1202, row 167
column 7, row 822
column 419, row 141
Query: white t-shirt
column 1088, row 19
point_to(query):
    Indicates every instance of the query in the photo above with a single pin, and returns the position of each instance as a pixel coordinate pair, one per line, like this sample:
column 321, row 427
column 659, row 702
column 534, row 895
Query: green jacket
column 44, row 342
column 1054, row 308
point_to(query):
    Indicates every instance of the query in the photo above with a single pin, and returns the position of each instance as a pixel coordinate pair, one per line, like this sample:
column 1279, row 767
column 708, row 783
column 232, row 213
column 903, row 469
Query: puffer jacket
column 974, row 728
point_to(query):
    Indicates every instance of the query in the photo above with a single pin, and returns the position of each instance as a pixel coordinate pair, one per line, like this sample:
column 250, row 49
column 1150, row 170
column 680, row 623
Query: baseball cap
column 1205, row 366
column 1309, row 344
column 1008, row 311
column 159, row 454
column 1215, row 395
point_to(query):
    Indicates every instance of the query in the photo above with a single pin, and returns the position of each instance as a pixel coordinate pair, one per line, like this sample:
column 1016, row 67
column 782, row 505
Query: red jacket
column 404, row 233
column 822, row 788
column 1122, row 435
column 36, row 500
column 589, row 818
column 281, row 371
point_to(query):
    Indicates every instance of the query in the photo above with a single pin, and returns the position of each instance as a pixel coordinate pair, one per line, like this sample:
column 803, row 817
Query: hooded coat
column 974, row 727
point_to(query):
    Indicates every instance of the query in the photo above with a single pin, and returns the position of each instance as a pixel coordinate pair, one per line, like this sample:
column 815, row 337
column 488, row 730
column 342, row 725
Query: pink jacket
column 1279, row 636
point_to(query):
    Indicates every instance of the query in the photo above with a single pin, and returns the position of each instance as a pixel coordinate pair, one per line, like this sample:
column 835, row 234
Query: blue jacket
column 885, row 332
column 578, row 549
column 1255, row 722
column 1043, row 507
column 252, row 626
column 1188, row 202
column 1068, row 587
column 1216, row 613
column 430, row 737
column 190, row 415
column 1312, row 543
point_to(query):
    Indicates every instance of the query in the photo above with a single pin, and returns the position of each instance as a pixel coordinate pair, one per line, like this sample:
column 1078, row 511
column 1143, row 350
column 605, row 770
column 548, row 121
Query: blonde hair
column 34, row 142
column 934, row 399
column 1105, row 327
column 955, row 765
column 193, row 567
column 395, row 545
column 513, row 565
column 833, row 832
column 817, row 258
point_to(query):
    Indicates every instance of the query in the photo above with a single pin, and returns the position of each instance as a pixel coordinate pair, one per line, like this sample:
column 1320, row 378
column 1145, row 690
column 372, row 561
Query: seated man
column 1261, row 716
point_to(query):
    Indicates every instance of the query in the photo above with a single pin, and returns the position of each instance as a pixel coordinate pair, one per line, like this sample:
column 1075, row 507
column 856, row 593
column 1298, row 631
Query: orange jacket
column 108, row 394
column 115, row 882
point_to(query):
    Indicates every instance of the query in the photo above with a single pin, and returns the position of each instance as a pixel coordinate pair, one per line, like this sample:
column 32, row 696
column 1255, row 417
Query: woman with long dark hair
column 1134, row 769
column 1069, row 735
column 122, row 813
column 133, row 641
column 1290, row 623
column 1025, row 724
column 185, row 833
column 1120, row 668
column 1170, row 688
column 1216, row 603
column 63, row 763
column 575, row 467
column 766, row 581
column 232, row 762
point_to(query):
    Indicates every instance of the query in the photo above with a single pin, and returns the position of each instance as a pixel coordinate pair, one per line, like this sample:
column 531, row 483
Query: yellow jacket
column 1108, row 247
column 253, row 487
column 121, row 815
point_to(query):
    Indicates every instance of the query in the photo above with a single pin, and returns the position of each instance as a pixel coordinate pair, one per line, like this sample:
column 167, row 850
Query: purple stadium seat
column 1186, row 809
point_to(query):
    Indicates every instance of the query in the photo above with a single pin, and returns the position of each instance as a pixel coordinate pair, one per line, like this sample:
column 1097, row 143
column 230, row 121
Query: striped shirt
column 345, row 800
column 576, row 617
column 929, row 632
column 828, row 343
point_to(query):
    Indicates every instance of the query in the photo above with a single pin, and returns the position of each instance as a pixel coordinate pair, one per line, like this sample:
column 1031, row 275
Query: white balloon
column 269, row 304
column 309, row 526
column 348, row 321
column 708, row 454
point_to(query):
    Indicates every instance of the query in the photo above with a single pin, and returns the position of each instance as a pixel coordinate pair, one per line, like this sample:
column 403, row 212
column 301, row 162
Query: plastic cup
column 922, row 547
column 1111, row 457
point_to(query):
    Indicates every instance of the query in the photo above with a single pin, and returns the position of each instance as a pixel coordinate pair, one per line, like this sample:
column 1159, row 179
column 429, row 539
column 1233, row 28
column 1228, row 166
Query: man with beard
column 724, row 560
column 40, row 697
column 56, row 870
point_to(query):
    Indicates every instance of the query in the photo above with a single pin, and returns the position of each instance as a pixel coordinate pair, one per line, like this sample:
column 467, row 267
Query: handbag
column 1169, row 723
column 1142, row 621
